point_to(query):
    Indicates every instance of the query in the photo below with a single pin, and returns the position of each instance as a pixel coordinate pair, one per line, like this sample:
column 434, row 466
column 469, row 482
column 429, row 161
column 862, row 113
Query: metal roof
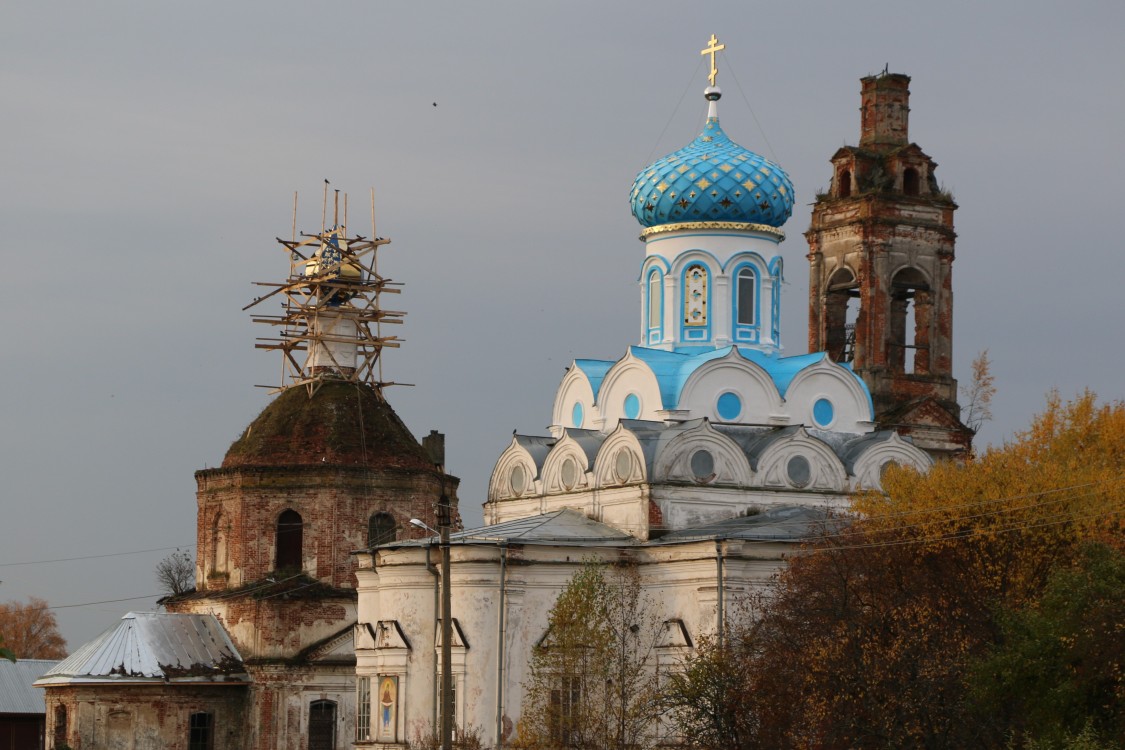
column 790, row 523
column 154, row 646
column 17, row 694
column 562, row 527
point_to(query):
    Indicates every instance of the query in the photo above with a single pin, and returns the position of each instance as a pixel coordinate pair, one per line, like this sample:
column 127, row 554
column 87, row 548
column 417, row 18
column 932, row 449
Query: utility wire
column 94, row 557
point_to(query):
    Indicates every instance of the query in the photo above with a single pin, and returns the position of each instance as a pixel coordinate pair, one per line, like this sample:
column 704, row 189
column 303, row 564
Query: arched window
column 908, row 336
column 745, row 300
column 290, row 533
column 841, row 312
column 844, row 183
column 322, row 725
column 381, row 528
column 910, row 182
column 655, row 302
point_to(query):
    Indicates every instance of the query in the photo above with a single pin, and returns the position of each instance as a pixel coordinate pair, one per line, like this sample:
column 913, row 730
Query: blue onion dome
column 712, row 179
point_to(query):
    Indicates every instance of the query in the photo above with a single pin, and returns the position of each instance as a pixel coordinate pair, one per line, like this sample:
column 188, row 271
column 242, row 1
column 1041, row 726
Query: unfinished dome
column 342, row 424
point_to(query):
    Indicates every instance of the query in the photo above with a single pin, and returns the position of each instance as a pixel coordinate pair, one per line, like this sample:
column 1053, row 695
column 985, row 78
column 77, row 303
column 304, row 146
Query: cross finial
column 713, row 48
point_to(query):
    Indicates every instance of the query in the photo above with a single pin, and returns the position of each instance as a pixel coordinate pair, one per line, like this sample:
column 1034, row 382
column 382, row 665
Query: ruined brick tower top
column 881, row 247
column 885, row 110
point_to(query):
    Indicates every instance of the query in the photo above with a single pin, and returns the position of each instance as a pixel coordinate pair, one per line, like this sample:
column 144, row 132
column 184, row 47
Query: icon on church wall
column 388, row 708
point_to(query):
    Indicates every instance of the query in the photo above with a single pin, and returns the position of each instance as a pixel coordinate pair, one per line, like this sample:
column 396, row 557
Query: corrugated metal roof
column 157, row 646
column 17, row 696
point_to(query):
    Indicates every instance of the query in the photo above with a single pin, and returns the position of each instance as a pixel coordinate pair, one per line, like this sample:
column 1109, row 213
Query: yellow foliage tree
column 869, row 638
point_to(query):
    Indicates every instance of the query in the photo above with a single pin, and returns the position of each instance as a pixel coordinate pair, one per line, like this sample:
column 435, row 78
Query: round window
column 702, row 465
column 623, row 465
column 518, row 480
column 569, row 473
column 823, row 412
column 729, row 406
column 576, row 414
column 632, row 406
column 799, row 471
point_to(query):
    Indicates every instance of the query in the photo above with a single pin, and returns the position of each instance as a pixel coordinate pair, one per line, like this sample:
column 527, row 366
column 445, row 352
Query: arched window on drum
column 746, row 299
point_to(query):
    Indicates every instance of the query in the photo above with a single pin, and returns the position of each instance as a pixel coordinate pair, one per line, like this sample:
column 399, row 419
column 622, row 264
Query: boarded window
column 290, row 530
column 381, row 528
column 201, row 731
column 60, row 726
column 322, row 725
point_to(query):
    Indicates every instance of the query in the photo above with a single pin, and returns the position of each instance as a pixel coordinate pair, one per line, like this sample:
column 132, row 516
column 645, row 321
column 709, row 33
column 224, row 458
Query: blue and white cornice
column 732, row 385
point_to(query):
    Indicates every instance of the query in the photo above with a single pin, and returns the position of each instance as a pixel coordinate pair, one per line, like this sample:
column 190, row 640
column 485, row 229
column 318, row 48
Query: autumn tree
column 30, row 630
column 978, row 393
column 870, row 636
column 591, row 682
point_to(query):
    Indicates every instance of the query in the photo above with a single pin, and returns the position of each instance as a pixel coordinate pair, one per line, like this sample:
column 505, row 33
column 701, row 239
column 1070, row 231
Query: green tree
column 711, row 700
column 591, row 682
column 1058, row 669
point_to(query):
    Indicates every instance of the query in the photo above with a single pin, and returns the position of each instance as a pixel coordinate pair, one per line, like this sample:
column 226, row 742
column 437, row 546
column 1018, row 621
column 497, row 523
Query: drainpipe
column 500, row 646
column 437, row 594
column 719, row 587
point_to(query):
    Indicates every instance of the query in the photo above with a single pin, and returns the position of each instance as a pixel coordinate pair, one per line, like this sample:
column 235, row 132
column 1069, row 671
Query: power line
column 94, row 557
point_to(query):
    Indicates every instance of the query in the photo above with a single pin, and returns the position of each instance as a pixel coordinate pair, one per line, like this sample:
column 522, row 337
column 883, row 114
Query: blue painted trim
column 743, row 332
column 699, row 334
column 775, row 312
column 687, row 259
column 653, row 334
column 651, row 261
column 747, row 256
column 777, row 267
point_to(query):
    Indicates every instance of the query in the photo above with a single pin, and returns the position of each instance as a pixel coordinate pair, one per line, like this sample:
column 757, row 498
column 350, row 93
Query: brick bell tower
column 881, row 271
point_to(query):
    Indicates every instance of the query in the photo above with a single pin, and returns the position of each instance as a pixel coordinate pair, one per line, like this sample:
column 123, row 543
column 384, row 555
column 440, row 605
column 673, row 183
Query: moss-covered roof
column 342, row 424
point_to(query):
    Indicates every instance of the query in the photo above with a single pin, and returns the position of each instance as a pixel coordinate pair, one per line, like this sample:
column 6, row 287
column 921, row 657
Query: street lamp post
column 444, row 524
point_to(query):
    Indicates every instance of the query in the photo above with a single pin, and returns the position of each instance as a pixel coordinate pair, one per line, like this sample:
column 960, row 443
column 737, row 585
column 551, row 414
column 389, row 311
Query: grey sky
column 151, row 152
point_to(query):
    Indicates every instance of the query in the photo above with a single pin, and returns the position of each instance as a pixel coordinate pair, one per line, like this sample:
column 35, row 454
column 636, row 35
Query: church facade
column 702, row 456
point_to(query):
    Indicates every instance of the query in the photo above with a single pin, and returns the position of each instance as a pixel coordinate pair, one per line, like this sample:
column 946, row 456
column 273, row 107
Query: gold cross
column 712, row 48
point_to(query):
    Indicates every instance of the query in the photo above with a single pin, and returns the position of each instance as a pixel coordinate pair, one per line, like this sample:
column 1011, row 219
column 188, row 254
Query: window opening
column 655, row 294
column 747, row 280
column 201, row 731
column 60, row 726
column 322, row 725
column 566, row 702
column 290, row 532
column 910, row 181
column 908, row 339
column 844, row 184
column 363, row 709
column 842, row 312
column 381, row 528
